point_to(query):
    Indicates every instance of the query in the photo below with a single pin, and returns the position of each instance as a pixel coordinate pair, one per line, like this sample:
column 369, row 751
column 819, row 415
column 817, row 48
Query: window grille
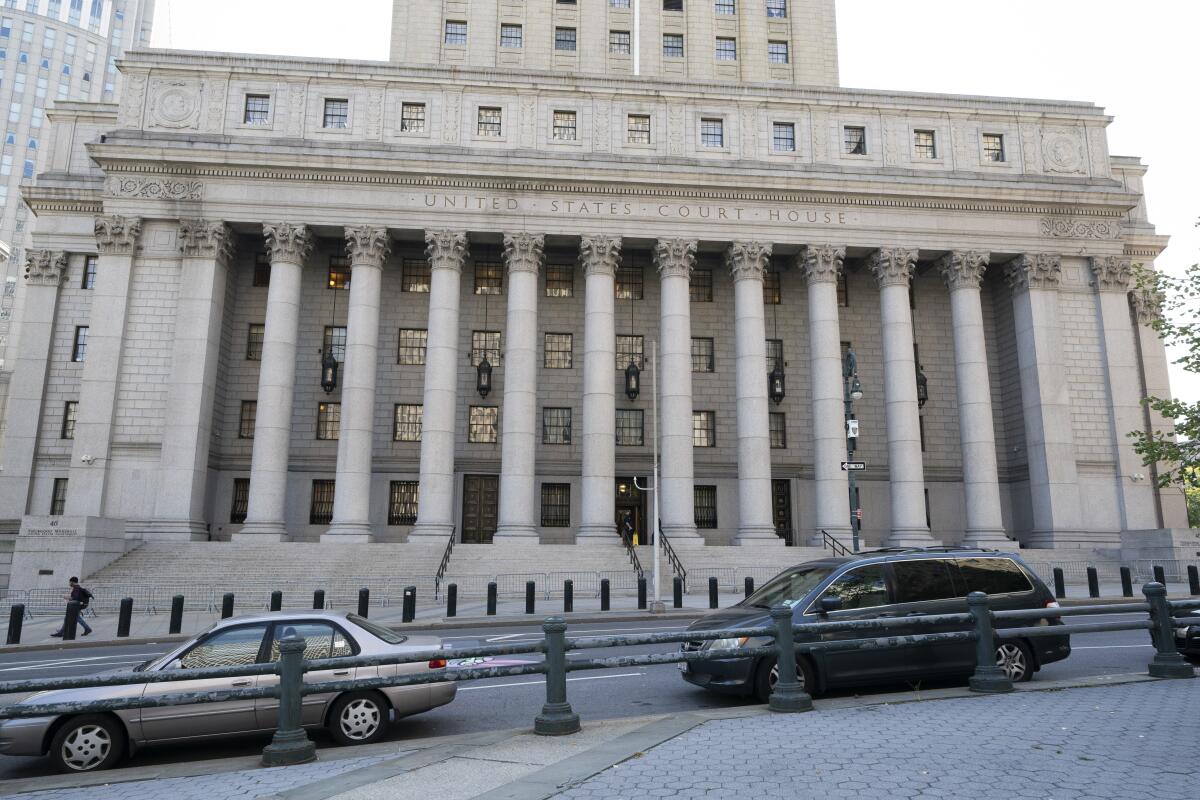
column 79, row 349
column 402, row 502
column 89, row 272
column 639, row 129
column 726, row 48
column 712, row 132
column 258, row 109
column 700, row 287
column 630, row 348
column 241, row 501
column 456, row 32
column 564, row 126
column 783, row 137
column 855, row 140
column 777, row 52
column 705, row 507
column 925, row 144
column 619, row 42
column 560, row 280
column 672, row 45
column 778, row 423
column 337, row 113
column 335, row 342
column 262, row 269
column 774, row 354
column 58, row 500
column 993, row 147
column 412, row 117
column 564, row 39
column 320, row 509
column 772, row 288
column 556, row 505
column 511, row 36
column 490, row 120
column 489, row 277
column 70, row 414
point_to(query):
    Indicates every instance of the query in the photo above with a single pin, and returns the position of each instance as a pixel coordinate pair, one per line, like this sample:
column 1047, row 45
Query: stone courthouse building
column 297, row 299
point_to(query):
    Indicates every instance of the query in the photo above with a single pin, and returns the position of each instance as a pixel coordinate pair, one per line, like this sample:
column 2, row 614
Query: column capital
column 893, row 266
column 116, row 235
column 1147, row 305
column 823, row 263
column 45, row 267
column 201, row 238
column 600, row 255
column 368, row 245
column 748, row 260
column 287, row 242
column 446, row 249
column 1112, row 273
column 523, row 251
column 963, row 269
column 1034, row 271
column 675, row 258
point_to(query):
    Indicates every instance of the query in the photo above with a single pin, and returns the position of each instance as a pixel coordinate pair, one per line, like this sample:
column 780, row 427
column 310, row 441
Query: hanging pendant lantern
column 633, row 381
column 483, row 377
column 329, row 372
column 775, row 385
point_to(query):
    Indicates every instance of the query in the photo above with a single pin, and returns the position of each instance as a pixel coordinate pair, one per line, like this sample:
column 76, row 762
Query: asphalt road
column 513, row 702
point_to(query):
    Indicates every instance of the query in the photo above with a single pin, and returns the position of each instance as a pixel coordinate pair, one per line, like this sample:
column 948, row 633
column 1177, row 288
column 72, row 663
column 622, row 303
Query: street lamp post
column 851, row 391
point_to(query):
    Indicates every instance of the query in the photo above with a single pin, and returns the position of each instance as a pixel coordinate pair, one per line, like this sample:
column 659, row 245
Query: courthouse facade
column 560, row 190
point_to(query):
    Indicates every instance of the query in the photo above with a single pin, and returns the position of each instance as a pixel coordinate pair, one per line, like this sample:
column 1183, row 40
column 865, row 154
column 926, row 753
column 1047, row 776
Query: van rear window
column 992, row 576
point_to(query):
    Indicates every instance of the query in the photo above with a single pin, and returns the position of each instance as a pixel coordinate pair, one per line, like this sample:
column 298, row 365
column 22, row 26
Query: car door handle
column 239, row 684
column 916, row 614
column 342, row 673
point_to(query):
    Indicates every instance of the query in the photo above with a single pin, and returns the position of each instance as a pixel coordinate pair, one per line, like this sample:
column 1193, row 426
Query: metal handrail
column 441, row 570
column 631, row 551
column 672, row 557
column 830, row 542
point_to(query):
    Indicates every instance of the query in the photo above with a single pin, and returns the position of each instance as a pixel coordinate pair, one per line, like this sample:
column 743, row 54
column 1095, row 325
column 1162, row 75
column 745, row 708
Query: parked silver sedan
column 88, row 742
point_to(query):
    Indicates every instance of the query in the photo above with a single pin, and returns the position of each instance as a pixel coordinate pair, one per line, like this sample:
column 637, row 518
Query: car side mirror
column 175, row 663
column 830, row 604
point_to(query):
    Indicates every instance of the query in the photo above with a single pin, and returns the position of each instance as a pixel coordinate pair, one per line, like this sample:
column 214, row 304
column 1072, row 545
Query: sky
column 1137, row 60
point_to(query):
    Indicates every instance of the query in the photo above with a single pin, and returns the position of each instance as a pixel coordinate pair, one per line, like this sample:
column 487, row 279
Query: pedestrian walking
column 81, row 596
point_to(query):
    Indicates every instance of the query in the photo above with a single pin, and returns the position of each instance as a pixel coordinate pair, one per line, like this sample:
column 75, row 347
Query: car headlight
column 726, row 644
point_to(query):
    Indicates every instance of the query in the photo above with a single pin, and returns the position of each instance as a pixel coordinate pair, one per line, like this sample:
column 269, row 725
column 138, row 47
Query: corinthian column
column 675, row 259
column 963, row 273
column 447, row 250
column 266, row 513
column 893, row 268
column 600, row 256
column 368, row 248
column 116, row 238
column 822, row 265
column 747, row 261
column 179, row 507
column 517, row 518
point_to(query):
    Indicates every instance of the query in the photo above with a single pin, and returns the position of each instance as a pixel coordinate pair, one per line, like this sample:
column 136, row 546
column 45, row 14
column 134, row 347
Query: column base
column 1064, row 538
column 261, row 532
column 988, row 539
column 758, row 536
column 430, row 531
column 911, row 537
column 597, row 533
column 516, row 533
column 843, row 535
column 176, row 530
column 680, row 533
column 349, row 532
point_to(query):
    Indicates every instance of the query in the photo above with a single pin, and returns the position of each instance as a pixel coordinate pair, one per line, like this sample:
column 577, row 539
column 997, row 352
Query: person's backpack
column 85, row 597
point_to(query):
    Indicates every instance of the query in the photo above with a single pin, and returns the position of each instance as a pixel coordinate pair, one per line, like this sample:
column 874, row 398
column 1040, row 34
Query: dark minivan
column 881, row 583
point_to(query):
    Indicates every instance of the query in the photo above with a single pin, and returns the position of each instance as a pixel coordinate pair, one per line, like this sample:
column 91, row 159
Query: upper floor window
column 490, row 121
column 489, row 277
column 402, row 502
column 247, row 419
column 703, row 359
column 70, row 413
column 993, row 146
column 412, row 117
column 772, row 288
column 485, row 344
column 700, row 288
column 638, row 129
column 712, row 132
column 783, row 137
column 726, row 48
column 618, row 3
column 258, row 109
column 564, row 39
column 776, row 8
column 557, row 351
column 254, row 341
column 672, row 45
column 672, row 5
column 262, row 269
column 560, row 280
column 337, row 113
column 777, row 52
column 412, row 346
column 482, row 425
column 416, row 276
column 725, row 6
column 335, row 342
column 925, row 144
column 408, row 421
column 556, row 426
column 704, row 429
column 79, row 348
column 339, row 273
column 630, row 284
column 456, row 32
column 58, row 499
column 511, row 36
column 843, row 290
column 778, row 430
column 619, row 42
column 855, row 140
column 89, row 273
column 329, row 418
column 630, row 348
column 630, row 426
column 564, row 126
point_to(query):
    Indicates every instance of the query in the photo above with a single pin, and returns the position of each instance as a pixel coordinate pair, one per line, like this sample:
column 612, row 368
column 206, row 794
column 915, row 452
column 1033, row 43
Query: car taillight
column 437, row 663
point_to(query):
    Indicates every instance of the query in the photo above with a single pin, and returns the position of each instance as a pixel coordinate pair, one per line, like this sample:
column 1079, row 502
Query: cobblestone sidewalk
column 1122, row 742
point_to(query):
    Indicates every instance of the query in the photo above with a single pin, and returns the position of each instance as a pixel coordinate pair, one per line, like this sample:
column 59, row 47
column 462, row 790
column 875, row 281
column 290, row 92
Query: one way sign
column 853, row 466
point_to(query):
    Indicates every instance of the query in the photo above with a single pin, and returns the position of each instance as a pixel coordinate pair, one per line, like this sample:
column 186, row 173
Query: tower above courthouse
column 728, row 41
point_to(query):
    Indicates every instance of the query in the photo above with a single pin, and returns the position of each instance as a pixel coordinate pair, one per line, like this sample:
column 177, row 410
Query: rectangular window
column 241, row 501
column 778, row 423
column 843, row 290
column 89, row 272
column 619, row 42
column 489, row 123
column 320, row 508
column 564, row 126
column 702, row 355
column 337, row 113
column 556, row 505
column 618, row 3
column 629, row 427
column 725, row 6
column 262, row 269
column 489, row 277
column 329, row 420
column 776, row 8
column 58, row 500
column 564, row 39
column 774, row 354
column 560, row 280
column 258, row 109
column 672, row 5
column 247, row 419
column 777, row 52
column 456, row 32
column 993, row 147
column 556, row 426
column 335, row 342
column 672, row 45
column 409, row 417
column 402, row 502
column 855, row 140
column 772, row 288
column 339, row 273
column 557, row 352
column 783, row 137
column 925, row 144
column 254, row 341
column 704, row 429
column 712, row 132
column 485, row 344
column 726, row 48
column 511, row 36
column 483, row 424
column 79, row 349
column 70, row 412
column 638, row 130
column 411, row 351
column 416, row 275
column 705, row 506
column 630, row 348
column 412, row 117
column 700, row 288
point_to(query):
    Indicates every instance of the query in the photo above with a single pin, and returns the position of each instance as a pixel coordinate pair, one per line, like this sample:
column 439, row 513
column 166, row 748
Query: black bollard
column 176, row 624
column 678, row 591
column 125, row 616
column 1093, row 582
column 749, row 586
column 1160, row 575
column 409, row 611
column 712, row 592
column 642, row 594
column 452, row 600
column 364, row 602
column 529, row 590
column 71, row 621
column 319, row 599
column 227, row 605
column 1193, row 581
column 568, row 596
column 491, row 599
column 16, row 620
column 1060, row 583
column 605, row 595
column 276, row 600
column 1126, row 582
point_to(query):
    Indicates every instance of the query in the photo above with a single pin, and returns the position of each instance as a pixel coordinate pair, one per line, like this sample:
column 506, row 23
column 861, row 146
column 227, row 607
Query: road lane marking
column 90, row 660
column 539, row 683
column 1107, row 646
column 73, row 666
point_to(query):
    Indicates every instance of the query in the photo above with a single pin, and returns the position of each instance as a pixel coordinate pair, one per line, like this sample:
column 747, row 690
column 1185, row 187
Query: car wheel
column 87, row 743
column 1016, row 661
column 358, row 718
column 768, row 676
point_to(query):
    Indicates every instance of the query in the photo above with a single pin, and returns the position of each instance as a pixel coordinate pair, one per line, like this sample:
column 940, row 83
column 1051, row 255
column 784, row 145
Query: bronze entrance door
column 632, row 503
column 781, row 509
column 481, row 499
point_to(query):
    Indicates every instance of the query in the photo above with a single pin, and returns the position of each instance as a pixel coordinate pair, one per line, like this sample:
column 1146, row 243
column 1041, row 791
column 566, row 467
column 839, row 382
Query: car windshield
column 378, row 631
column 158, row 663
column 788, row 588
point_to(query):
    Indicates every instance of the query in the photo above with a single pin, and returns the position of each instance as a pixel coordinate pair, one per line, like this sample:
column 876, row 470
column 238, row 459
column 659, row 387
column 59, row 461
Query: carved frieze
column 133, row 101
column 202, row 238
column 675, row 258
column 446, row 249
column 748, row 260
column 287, row 242
column 893, row 266
column 175, row 103
column 523, row 251
column 368, row 245
column 117, row 235
column 154, row 188
column 45, row 267
column 1034, row 271
column 963, row 269
column 600, row 255
column 1112, row 273
column 1070, row 228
